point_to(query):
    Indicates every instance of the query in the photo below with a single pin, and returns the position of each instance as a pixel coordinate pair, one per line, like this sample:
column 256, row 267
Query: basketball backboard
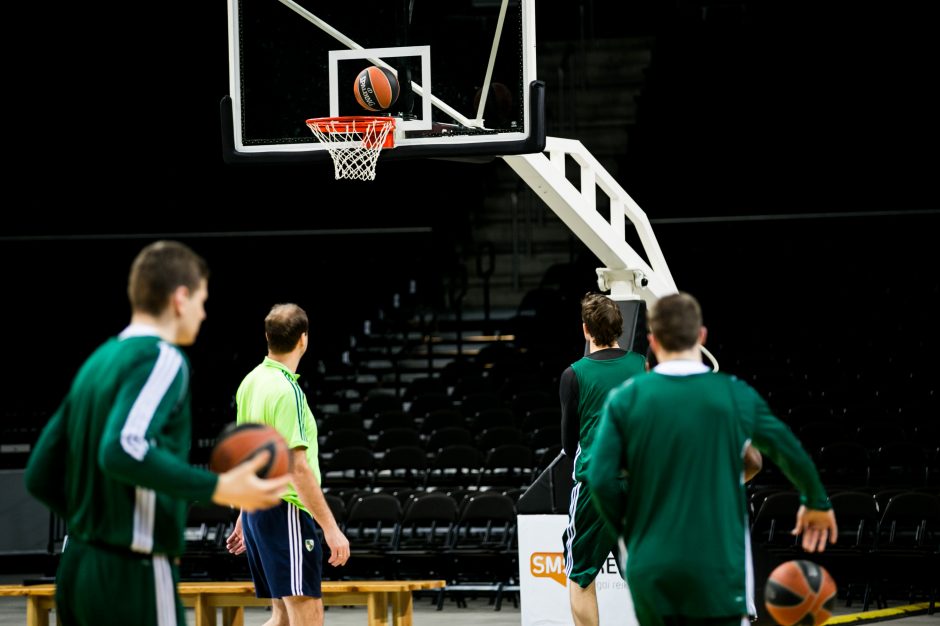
column 466, row 69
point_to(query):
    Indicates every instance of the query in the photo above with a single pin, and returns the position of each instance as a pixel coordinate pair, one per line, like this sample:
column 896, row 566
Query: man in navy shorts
column 284, row 551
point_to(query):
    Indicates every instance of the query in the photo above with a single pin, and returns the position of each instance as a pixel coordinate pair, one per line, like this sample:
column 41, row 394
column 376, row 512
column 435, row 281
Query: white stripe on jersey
column 134, row 432
column 163, row 589
column 145, row 502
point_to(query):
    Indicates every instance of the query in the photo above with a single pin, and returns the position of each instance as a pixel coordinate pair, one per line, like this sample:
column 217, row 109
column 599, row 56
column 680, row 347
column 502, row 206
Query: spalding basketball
column 237, row 444
column 376, row 88
column 800, row 592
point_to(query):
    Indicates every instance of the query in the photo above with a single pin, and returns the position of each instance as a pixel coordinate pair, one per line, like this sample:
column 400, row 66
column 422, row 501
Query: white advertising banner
column 542, row 584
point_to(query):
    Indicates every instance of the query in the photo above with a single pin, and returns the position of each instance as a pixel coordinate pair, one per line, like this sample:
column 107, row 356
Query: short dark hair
column 602, row 317
column 283, row 326
column 158, row 270
column 675, row 320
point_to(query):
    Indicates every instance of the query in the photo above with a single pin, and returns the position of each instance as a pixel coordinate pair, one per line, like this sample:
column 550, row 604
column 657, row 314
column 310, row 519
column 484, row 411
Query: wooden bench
column 232, row 597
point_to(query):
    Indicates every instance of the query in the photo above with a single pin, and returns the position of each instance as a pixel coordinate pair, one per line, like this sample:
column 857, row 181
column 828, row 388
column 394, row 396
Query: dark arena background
column 785, row 154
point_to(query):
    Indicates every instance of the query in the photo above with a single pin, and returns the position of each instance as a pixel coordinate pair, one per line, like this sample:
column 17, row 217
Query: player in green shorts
column 668, row 473
column 112, row 461
column 588, row 541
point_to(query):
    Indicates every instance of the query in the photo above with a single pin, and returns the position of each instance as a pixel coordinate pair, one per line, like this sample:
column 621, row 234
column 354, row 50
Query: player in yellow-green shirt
column 284, row 552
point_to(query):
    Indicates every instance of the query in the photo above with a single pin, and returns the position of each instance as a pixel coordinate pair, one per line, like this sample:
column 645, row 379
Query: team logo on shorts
column 309, row 545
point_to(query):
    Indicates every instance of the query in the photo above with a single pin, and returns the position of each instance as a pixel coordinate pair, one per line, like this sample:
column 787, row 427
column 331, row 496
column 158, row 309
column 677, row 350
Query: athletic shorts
column 104, row 586
column 285, row 555
column 588, row 541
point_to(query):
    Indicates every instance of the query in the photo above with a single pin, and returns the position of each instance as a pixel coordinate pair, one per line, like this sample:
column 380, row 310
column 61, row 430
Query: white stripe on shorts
column 572, row 531
column 295, row 545
column 164, row 591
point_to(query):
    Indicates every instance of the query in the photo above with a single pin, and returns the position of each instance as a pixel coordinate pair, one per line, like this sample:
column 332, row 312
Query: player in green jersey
column 112, row 461
column 587, row 540
column 677, row 437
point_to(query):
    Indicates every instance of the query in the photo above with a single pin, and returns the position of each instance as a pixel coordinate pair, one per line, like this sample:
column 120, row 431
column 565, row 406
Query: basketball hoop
column 354, row 142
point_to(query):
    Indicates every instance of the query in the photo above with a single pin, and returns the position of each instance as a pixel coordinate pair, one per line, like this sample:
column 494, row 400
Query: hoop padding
column 354, row 142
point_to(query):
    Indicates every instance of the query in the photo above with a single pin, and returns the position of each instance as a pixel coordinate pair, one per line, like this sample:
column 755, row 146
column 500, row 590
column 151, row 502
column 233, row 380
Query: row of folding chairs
column 512, row 465
column 426, row 423
column 470, row 542
column 871, row 435
column 847, row 463
column 537, row 439
column 888, row 544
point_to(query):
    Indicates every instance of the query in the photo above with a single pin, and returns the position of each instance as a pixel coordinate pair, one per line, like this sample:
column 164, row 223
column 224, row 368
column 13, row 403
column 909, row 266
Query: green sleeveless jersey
column 596, row 378
column 679, row 440
column 113, row 460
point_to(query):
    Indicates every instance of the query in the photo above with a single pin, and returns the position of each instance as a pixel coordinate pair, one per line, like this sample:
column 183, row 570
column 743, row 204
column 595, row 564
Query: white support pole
column 627, row 275
column 484, row 90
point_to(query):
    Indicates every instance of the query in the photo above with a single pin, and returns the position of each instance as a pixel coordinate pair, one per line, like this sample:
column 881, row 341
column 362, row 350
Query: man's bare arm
column 753, row 462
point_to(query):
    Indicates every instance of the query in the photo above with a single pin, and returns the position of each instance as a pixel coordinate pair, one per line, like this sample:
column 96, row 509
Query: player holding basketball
column 676, row 436
column 588, row 540
column 112, row 460
column 284, row 553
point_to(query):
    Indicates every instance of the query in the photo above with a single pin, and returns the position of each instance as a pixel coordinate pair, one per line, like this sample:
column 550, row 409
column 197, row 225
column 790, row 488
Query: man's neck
column 290, row 360
column 692, row 354
column 165, row 325
column 594, row 347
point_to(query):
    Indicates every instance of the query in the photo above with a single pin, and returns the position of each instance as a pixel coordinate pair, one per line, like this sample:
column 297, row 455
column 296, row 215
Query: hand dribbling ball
column 376, row 88
column 800, row 592
column 237, row 444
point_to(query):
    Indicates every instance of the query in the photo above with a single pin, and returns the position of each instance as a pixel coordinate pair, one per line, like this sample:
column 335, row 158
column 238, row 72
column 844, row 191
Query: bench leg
column 377, row 604
column 36, row 613
column 402, row 608
column 233, row 616
column 205, row 614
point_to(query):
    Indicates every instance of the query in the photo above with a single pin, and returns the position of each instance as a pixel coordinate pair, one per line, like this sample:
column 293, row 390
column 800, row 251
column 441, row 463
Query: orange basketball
column 376, row 88
column 800, row 592
column 237, row 444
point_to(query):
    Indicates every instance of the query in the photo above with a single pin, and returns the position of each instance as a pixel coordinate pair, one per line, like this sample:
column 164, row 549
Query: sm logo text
column 548, row 565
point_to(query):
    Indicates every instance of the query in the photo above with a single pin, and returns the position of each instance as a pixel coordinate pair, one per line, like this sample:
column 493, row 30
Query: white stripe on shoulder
column 134, row 433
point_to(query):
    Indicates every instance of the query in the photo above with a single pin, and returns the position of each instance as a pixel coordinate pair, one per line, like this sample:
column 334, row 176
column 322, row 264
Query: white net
column 354, row 144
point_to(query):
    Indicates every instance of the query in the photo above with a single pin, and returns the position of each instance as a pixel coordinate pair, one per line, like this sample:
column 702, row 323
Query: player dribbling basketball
column 678, row 436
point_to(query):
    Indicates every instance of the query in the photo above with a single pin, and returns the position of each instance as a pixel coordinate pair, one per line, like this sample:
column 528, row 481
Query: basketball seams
column 376, row 88
column 381, row 87
column 800, row 593
column 243, row 442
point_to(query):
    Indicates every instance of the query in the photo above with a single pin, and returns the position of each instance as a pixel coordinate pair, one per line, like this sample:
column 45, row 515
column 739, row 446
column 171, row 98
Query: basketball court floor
column 478, row 612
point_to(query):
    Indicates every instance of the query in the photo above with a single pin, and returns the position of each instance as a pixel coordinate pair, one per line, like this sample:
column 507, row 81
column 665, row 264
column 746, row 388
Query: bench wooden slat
column 232, row 596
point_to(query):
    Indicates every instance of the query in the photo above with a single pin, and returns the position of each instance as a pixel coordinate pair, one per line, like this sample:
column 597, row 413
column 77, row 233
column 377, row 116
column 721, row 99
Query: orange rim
column 354, row 123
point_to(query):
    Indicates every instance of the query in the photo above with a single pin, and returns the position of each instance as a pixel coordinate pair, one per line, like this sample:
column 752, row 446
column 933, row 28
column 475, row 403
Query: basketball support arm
column 626, row 274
